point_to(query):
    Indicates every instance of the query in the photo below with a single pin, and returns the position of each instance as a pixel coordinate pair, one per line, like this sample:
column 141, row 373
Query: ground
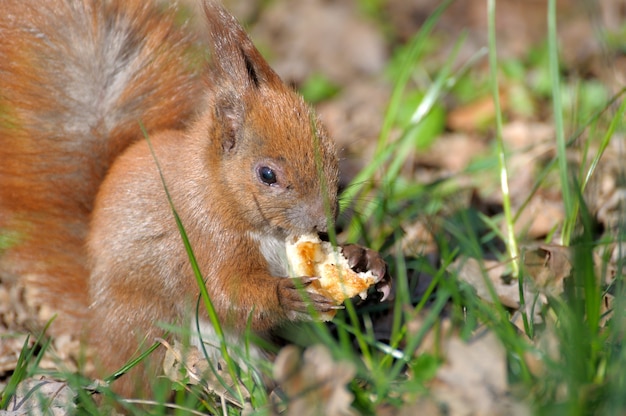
column 347, row 57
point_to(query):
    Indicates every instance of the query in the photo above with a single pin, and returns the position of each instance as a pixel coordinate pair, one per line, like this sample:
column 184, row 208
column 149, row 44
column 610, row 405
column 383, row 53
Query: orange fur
column 76, row 79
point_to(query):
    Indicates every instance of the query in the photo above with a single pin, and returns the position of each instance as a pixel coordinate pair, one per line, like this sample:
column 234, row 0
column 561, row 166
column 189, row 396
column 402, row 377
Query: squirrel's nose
column 325, row 218
column 315, row 216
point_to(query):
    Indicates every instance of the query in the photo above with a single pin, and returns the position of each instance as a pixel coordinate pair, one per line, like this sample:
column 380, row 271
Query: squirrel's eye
column 267, row 175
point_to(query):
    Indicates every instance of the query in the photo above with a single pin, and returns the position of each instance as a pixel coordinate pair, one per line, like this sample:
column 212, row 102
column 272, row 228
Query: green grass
column 581, row 358
column 27, row 364
column 586, row 375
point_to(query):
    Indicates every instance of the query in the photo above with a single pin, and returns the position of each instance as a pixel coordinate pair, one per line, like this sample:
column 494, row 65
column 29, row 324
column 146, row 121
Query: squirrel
column 86, row 227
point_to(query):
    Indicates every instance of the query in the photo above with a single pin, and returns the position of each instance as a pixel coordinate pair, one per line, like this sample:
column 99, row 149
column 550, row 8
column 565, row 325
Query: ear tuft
column 252, row 74
column 234, row 57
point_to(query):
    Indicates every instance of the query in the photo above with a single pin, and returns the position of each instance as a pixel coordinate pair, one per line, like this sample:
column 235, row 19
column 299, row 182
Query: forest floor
column 488, row 269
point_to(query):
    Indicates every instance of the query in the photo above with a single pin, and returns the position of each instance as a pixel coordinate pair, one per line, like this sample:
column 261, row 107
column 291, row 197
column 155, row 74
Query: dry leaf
column 418, row 238
column 611, row 209
column 424, row 406
column 476, row 274
column 10, row 347
column 474, row 115
column 187, row 365
column 473, row 381
column 436, row 336
column 466, row 148
column 606, row 309
column 353, row 47
column 617, row 263
column 313, row 382
column 548, row 266
column 42, row 396
column 547, row 349
column 540, row 217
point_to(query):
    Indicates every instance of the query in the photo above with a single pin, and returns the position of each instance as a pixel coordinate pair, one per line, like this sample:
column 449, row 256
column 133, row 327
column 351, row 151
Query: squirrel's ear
column 229, row 113
column 236, row 67
column 234, row 59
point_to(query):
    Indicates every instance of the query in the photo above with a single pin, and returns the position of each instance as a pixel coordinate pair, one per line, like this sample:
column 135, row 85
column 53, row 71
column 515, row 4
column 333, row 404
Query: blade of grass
column 557, row 110
column 363, row 178
column 616, row 121
column 132, row 363
column 412, row 343
column 396, row 153
column 19, row 374
column 511, row 241
column 421, row 111
column 204, row 294
column 550, row 165
column 27, row 362
column 585, row 275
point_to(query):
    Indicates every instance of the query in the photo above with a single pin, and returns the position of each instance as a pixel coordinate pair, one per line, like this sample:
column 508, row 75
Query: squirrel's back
column 78, row 78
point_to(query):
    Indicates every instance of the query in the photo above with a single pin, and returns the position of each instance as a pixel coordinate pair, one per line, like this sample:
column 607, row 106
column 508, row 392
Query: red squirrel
column 86, row 226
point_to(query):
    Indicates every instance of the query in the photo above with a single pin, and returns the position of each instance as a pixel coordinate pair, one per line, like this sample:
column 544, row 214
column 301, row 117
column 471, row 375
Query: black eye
column 267, row 175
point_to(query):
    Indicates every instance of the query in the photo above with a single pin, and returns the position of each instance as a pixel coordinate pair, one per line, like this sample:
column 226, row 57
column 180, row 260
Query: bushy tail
column 76, row 79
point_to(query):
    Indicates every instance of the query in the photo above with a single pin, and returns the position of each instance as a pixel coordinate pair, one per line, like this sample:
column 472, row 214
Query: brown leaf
column 313, row 382
column 424, row 406
column 42, row 396
column 352, row 46
column 435, row 337
column 466, row 148
column 474, row 115
column 188, row 365
column 616, row 265
column 540, row 217
column 608, row 302
column 479, row 273
column 473, row 381
column 10, row 347
column 548, row 266
column 418, row 238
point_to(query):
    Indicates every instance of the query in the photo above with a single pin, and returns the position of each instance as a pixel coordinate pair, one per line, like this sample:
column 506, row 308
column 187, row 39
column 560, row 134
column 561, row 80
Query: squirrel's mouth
column 302, row 222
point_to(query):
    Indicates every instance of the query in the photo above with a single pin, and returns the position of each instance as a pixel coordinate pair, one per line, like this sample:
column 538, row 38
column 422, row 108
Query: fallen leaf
column 435, row 337
column 10, row 347
column 466, row 148
column 353, row 46
column 187, row 365
column 42, row 396
column 606, row 309
column 479, row 274
column 418, row 238
column 424, row 406
column 473, row 381
column 313, row 382
column 547, row 266
column 474, row 115
column 540, row 217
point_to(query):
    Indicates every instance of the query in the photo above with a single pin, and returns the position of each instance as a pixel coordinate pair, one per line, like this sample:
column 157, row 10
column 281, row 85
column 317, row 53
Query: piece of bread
column 309, row 256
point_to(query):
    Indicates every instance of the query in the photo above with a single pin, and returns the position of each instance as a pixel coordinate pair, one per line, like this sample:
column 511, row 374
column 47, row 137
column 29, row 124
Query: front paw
column 297, row 301
column 362, row 259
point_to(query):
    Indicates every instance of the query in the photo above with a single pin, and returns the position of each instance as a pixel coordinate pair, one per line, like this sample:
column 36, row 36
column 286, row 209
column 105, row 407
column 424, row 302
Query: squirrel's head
column 275, row 155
